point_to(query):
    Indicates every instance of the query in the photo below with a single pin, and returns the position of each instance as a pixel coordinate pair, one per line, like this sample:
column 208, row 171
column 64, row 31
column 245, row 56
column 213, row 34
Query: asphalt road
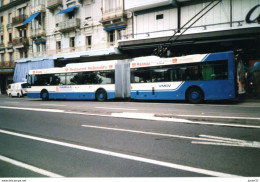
column 127, row 139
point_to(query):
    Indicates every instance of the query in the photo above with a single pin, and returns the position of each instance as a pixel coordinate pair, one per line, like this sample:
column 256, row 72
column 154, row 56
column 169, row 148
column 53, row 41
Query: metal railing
column 69, row 24
column 19, row 19
column 53, row 3
column 38, row 32
column 169, row 32
column 20, row 41
column 7, row 64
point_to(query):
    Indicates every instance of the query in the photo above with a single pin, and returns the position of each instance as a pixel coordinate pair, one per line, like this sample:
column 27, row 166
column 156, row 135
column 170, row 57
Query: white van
column 17, row 89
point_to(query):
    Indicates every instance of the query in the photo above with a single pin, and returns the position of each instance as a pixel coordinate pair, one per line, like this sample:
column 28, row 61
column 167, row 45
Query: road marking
column 29, row 167
column 202, row 139
column 221, row 117
column 116, row 108
column 120, row 155
column 149, row 116
column 143, row 116
column 215, row 140
column 52, row 105
column 32, row 109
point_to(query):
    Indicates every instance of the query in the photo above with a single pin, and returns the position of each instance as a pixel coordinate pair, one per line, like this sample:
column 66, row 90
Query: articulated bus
column 93, row 80
column 215, row 76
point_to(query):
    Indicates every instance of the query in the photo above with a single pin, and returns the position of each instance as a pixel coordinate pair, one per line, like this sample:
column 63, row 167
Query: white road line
column 29, row 167
column 147, row 116
column 202, row 139
column 221, row 117
column 116, row 108
column 124, row 156
column 216, row 140
column 32, row 109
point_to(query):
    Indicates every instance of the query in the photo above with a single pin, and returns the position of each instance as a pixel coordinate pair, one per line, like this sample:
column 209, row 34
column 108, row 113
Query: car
column 18, row 89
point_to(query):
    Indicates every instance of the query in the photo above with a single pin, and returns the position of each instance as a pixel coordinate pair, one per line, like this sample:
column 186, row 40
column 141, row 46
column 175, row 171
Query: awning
column 114, row 28
column 28, row 20
column 40, row 41
column 67, row 10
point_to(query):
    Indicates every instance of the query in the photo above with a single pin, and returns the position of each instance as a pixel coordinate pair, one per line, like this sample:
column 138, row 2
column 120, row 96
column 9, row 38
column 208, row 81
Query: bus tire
column 45, row 95
column 101, row 95
column 194, row 95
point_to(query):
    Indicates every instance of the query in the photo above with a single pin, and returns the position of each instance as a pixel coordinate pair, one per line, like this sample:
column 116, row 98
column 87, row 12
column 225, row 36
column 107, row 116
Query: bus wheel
column 44, row 95
column 101, row 95
column 194, row 95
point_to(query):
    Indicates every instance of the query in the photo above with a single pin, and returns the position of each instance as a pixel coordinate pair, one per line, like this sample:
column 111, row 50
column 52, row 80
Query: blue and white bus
column 93, row 80
column 193, row 78
column 215, row 76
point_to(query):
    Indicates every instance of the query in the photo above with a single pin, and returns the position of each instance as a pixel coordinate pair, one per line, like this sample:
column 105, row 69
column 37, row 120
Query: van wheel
column 194, row 95
column 19, row 95
column 10, row 95
column 44, row 95
column 101, row 95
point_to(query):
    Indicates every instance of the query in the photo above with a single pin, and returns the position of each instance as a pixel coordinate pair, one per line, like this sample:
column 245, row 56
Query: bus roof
column 78, row 67
column 155, row 61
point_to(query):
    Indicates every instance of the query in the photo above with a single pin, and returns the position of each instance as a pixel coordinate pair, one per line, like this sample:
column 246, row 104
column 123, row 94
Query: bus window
column 141, row 75
column 216, row 70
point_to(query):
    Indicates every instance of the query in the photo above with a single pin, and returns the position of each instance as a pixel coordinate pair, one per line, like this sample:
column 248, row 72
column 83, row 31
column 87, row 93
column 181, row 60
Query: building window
column 38, row 47
column 159, row 17
column 2, row 58
column 88, row 42
column 2, row 39
column 10, row 56
column 10, row 37
column 58, row 46
column 10, row 18
column 72, row 42
column 1, row 20
column 44, row 47
column 111, row 37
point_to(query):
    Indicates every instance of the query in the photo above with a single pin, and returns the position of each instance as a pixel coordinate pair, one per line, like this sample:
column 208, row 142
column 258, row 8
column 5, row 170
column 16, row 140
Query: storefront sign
column 249, row 14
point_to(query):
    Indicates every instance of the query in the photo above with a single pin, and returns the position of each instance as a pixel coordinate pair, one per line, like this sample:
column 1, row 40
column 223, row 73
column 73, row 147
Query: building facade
column 14, row 38
column 65, row 31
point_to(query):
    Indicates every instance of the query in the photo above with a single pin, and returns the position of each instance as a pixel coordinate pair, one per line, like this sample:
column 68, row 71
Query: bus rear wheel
column 44, row 95
column 194, row 95
column 101, row 95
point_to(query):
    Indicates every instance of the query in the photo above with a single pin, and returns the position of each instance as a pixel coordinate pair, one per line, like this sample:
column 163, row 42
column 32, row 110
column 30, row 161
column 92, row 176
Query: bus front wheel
column 101, row 95
column 44, row 95
column 194, row 95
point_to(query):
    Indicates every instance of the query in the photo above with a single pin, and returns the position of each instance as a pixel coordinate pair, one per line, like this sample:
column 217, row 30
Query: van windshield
column 24, row 85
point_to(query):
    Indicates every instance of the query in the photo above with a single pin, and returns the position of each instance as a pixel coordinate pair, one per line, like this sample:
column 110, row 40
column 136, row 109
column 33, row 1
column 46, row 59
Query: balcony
column 38, row 8
column 1, row 28
column 37, row 33
column 2, row 46
column 114, row 18
column 52, row 4
column 68, row 25
column 10, row 44
column 9, row 26
column 7, row 64
column 19, row 19
column 20, row 42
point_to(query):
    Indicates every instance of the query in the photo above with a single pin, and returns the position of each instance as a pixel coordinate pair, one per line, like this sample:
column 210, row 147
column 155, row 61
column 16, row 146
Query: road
column 128, row 139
